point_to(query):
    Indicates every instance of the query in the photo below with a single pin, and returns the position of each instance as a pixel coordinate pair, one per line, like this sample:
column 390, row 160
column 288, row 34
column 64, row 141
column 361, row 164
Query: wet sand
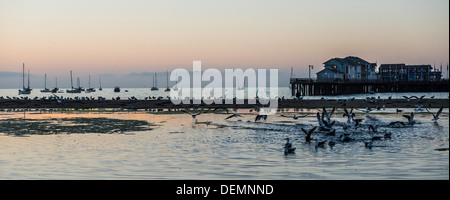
column 166, row 104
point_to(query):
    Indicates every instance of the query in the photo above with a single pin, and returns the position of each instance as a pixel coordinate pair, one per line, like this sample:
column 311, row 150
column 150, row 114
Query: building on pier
column 408, row 73
column 349, row 69
column 353, row 75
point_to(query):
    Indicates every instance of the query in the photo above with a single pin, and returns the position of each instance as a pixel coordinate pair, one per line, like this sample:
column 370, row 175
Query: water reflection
column 179, row 148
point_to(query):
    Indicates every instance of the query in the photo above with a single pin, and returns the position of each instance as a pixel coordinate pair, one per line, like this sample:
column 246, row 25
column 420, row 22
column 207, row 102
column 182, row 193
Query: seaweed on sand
column 18, row 126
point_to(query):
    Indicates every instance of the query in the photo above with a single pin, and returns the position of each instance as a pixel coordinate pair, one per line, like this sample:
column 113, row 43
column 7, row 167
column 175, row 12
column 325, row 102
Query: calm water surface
column 178, row 148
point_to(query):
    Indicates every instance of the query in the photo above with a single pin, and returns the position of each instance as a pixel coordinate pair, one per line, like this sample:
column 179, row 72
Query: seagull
column 328, row 115
column 368, row 110
column 387, row 134
column 309, row 133
column 349, row 115
column 397, row 124
column 194, row 115
column 258, row 117
column 436, row 117
column 295, row 116
column 345, row 138
column 419, row 98
column 407, row 98
column 357, row 122
column 331, row 143
column 372, row 131
column 418, row 107
column 233, row 115
column 223, row 108
column 373, row 128
column 318, row 144
column 331, row 133
column 323, row 124
column 288, row 147
column 410, row 118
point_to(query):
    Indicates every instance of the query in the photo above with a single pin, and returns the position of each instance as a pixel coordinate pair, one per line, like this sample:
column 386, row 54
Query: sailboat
column 100, row 81
column 45, row 90
column 25, row 90
column 90, row 89
column 155, row 83
column 74, row 90
column 56, row 89
column 167, row 89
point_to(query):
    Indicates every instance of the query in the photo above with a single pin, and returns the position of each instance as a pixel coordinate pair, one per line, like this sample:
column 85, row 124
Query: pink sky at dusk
column 120, row 37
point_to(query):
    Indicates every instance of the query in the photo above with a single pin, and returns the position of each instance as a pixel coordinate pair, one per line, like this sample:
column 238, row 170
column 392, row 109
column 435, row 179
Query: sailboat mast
column 167, row 79
column 45, row 82
column 23, row 75
column 71, row 80
column 28, row 79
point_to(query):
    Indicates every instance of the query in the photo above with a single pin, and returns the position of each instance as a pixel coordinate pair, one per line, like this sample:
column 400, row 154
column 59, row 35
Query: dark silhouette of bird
column 193, row 115
column 410, row 118
column 259, row 117
column 288, row 147
column 436, row 117
column 308, row 133
column 233, row 115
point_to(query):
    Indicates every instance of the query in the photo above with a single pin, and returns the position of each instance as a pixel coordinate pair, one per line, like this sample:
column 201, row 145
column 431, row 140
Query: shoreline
column 167, row 104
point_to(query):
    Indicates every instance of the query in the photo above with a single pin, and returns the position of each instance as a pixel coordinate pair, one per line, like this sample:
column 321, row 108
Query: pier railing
column 310, row 87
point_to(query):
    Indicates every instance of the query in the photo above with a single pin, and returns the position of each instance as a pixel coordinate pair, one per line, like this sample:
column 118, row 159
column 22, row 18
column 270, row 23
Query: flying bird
column 309, row 133
column 436, row 117
column 349, row 115
column 259, row 117
column 193, row 115
column 410, row 118
column 233, row 115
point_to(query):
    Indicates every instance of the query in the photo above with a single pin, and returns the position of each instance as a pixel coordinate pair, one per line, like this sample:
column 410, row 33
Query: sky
column 119, row 39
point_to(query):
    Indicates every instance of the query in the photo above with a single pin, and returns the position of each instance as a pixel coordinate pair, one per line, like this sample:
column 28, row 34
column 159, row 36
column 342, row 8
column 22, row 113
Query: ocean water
column 141, row 93
column 239, row 148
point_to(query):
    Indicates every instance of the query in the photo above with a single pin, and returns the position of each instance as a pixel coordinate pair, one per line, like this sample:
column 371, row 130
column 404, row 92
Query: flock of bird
column 326, row 126
column 60, row 99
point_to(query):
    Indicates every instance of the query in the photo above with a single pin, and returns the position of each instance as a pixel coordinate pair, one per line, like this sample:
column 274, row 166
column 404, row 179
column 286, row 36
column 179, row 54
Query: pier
column 309, row 87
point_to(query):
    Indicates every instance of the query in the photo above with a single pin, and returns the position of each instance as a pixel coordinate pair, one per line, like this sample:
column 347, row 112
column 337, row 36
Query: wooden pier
column 309, row 87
